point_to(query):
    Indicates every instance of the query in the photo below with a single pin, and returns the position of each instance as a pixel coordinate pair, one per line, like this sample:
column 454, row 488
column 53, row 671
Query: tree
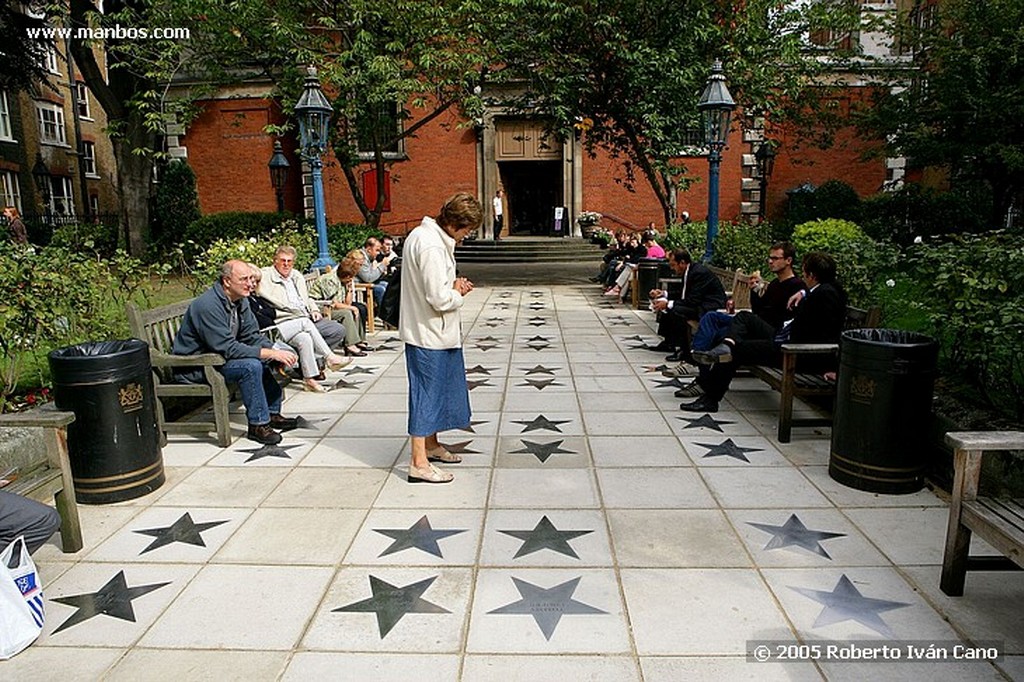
column 965, row 104
column 21, row 56
column 633, row 70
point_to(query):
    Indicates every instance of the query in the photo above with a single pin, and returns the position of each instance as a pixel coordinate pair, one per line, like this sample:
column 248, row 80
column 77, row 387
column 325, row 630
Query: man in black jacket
column 820, row 311
column 701, row 292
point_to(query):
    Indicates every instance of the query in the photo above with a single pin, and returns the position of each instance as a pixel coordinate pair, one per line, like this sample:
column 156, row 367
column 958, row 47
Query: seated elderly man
column 285, row 289
column 219, row 321
column 22, row 516
column 372, row 272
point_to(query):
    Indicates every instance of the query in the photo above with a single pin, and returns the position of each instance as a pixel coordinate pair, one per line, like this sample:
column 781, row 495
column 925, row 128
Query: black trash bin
column 883, row 401
column 647, row 272
column 113, row 444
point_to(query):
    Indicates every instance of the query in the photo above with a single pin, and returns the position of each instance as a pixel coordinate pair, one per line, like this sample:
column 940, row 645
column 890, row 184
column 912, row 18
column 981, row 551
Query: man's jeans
column 378, row 292
column 261, row 394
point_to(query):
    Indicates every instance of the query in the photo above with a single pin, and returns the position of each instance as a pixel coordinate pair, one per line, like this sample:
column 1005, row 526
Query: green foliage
column 177, row 204
column 53, row 297
column 968, row 291
column 343, row 237
column 967, row 118
column 863, row 264
column 691, row 236
column 833, row 199
column 257, row 249
column 915, row 211
column 231, row 225
column 96, row 238
column 740, row 245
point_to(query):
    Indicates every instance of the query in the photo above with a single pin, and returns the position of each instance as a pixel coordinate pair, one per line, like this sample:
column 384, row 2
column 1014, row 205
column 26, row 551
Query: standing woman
column 19, row 235
column 431, row 328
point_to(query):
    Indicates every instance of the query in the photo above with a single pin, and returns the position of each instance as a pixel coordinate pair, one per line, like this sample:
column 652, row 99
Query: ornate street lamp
column 278, row 173
column 765, row 157
column 715, row 106
column 314, row 114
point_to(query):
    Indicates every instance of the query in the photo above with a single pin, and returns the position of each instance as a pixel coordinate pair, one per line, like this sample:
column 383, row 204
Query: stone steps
column 529, row 250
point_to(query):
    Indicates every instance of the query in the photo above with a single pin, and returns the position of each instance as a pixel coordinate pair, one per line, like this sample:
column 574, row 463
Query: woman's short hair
column 461, row 211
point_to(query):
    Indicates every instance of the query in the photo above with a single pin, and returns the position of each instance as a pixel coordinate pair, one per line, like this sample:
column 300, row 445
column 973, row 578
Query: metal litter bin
column 883, row 402
column 114, row 443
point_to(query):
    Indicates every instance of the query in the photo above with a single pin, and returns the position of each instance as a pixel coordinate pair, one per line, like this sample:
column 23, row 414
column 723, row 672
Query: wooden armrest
column 202, row 359
column 46, row 416
column 809, row 348
column 986, row 440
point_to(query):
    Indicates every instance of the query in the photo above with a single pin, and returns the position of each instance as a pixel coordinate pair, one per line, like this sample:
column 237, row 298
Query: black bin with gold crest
column 113, row 444
column 883, row 402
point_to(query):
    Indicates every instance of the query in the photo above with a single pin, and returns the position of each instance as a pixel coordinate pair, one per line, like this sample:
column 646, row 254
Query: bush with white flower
column 258, row 250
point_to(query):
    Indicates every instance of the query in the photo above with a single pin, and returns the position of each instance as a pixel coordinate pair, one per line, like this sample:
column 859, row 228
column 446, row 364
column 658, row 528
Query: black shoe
column 663, row 347
column 283, row 423
column 262, row 433
column 679, row 356
column 701, row 404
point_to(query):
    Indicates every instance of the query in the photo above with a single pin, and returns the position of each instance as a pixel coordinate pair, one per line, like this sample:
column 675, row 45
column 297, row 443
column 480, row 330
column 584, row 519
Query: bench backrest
column 858, row 318
column 157, row 326
column 736, row 285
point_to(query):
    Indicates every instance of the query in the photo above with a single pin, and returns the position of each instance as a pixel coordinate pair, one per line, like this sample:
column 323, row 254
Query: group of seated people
column 710, row 342
column 263, row 320
column 624, row 256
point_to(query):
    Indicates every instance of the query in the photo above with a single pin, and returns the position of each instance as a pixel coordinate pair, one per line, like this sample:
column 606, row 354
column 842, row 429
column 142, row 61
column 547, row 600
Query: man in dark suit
column 820, row 311
column 701, row 292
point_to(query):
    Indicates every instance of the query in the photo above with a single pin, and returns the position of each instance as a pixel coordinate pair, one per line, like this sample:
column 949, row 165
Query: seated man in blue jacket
column 219, row 321
column 22, row 516
column 820, row 312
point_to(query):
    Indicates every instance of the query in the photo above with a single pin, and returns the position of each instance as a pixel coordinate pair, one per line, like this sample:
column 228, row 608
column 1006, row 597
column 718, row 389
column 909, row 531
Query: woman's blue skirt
column 438, row 395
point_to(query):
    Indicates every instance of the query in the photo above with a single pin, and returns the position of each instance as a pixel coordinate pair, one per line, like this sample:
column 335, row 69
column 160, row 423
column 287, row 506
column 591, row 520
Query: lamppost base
column 322, row 263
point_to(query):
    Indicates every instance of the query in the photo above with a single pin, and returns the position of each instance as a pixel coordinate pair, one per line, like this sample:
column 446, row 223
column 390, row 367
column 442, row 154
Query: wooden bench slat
column 986, row 440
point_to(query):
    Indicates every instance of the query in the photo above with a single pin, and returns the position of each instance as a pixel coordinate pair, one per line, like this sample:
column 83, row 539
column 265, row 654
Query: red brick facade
column 228, row 151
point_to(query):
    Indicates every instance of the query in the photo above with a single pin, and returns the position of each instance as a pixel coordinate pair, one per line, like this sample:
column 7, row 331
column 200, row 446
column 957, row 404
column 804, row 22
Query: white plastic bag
column 21, row 600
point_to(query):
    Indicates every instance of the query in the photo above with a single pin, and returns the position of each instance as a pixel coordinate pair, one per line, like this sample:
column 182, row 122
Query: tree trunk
column 134, row 179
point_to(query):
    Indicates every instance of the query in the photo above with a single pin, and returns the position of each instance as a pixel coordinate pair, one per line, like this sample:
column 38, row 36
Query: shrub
column 969, row 289
column 231, row 225
column 863, row 264
column 741, row 245
column 833, row 199
column 916, row 211
column 95, row 238
column 258, row 250
column 53, row 297
column 177, row 205
column 343, row 237
column 691, row 236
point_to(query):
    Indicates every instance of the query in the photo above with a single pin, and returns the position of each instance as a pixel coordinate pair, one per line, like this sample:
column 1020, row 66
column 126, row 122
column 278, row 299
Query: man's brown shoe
column 283, row 423
column 262, row 433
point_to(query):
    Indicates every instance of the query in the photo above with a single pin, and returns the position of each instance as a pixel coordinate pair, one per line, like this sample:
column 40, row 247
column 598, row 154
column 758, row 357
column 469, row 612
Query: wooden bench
column 793, row 384
column 736, row 284
column 999, row 522
column 47, row 480
column 158, row 327
column 364, row 294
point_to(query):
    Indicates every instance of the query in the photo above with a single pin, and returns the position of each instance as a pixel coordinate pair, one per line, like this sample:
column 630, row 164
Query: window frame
column 6, row 122
column 84, row 107
column 397, row 154
column 89, row 159
column 10, row 189
column 58, row 124
column 66, row 195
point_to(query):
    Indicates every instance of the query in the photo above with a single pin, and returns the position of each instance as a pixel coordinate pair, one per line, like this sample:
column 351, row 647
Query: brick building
column 56, row 131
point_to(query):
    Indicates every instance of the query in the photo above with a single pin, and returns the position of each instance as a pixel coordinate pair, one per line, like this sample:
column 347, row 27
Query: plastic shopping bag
column 21, row 600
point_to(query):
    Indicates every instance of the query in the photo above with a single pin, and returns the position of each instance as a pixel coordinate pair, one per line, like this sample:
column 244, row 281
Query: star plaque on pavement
column 543, row 450
column 342, row 383
column 539, row 369
column 113, row 599
column 308, row 424
column 845, row 602
column 475, row 383
column 358, row 370
column 421, row 535
column 705, row 422
column 541, row 422
column 184, row 530
column 794, row 533
column 279, row 451
column 391, row 603
column 727, row 448
column 540, row 384
column 545, row 536
column 461, row 448
column 480, row 369
column 547, row 605
column 472, row 425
